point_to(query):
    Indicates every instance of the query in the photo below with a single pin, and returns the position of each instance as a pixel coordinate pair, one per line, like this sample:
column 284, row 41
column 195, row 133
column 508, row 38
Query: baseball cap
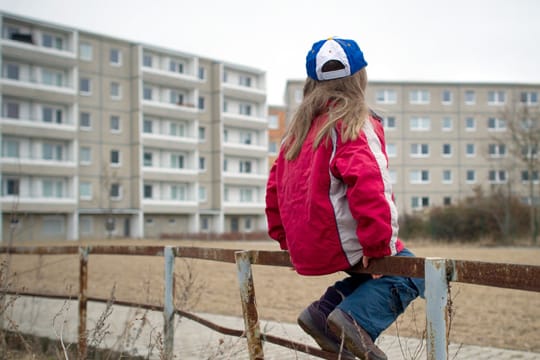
column 334, row 58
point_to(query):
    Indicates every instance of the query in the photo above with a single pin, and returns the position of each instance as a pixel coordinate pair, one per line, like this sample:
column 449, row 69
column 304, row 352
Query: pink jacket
column 331, row 205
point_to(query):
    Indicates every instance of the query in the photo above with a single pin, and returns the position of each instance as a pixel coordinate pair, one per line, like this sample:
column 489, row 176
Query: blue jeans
column 376, row 303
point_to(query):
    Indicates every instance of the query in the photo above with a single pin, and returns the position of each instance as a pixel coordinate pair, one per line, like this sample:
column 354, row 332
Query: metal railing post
column 83, row 300
column 436, row 276
column 168, row 303
column 249, row 306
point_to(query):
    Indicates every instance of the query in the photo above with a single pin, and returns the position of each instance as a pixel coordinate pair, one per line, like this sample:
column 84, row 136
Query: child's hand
column 365, row 263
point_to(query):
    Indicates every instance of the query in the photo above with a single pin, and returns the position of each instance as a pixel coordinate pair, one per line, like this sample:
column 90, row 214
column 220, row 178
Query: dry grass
column 482, row 315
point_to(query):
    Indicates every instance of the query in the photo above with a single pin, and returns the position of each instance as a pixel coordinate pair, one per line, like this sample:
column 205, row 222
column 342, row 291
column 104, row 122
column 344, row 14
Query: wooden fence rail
column 437, row 273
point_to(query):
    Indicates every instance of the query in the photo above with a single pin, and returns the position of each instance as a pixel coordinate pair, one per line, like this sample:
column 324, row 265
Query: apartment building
column 107, row 137
column 277, row 123
column 446, row 139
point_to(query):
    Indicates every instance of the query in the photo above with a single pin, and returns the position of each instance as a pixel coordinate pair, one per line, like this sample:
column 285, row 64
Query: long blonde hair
column 343, row 99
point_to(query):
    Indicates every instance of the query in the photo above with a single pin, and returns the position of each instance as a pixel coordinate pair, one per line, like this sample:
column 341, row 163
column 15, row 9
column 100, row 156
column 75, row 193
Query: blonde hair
column 342, row 99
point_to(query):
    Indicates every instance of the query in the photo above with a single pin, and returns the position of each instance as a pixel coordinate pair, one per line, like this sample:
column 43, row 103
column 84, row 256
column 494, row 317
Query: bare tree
column 523, row 142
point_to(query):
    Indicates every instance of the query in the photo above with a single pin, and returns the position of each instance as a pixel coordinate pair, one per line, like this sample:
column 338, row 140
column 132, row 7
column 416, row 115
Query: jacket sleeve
column 273, row 217
column 362, row 165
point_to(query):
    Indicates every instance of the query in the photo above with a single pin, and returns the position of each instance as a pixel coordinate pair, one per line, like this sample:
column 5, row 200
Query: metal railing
column 437, row 272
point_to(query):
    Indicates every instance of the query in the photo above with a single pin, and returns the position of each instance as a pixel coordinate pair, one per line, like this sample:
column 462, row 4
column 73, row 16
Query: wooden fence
column 437, row 272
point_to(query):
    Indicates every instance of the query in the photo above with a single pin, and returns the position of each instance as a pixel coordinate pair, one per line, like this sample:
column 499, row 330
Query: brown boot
column 357, row 340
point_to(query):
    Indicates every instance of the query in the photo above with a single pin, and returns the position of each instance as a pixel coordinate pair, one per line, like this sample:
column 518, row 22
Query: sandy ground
column 481, row 315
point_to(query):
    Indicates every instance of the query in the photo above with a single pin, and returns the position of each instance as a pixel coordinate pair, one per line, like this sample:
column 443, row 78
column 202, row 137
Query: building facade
column 444, row 140
column 277, row 123
column 106, row 137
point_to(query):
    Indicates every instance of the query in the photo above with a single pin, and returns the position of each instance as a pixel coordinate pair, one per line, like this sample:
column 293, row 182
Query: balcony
column 244, row 92
column 163, row 109
column 245, row 121
column 170, row 142
column 29, row 166
column 243, row 208
column 35, row 204
column 35, row 128
column 240, row 149
column 22, row 48
column 169, row 206
column 238, row 178
column 154, row 173
column 169, row 78
column 29, row 88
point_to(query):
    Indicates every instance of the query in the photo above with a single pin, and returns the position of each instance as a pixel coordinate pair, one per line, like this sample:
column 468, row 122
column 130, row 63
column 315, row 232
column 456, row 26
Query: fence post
column 436, row 276
column 168, row 303
column 249, row 306
column 83, row 302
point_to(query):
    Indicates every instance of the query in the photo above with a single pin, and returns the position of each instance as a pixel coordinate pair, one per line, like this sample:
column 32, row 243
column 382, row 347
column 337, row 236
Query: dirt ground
column 480, row 315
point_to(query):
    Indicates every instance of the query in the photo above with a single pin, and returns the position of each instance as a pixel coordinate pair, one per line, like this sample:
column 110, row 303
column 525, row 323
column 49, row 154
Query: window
column 447, row 201
column 51, row 114
column 446, row 97
column 202, row 193
column 447, row 150
column 147, row 159
column 85, row 51
column 12, row 71
column 529, row 97
column 391, row 150
column 470, row 124
column 85, row 190
column 495, row 124
column 52, row 188
column 225, row 106
column 419, row 97
column 393, row 176
column 419, row 150
column 53, row 226
column 147, row 126
column 470, row 150
column 85, row 86
column 447, row 124
column 225, row 165
column 447, row 176
column 272, row 148
column 529, row 151
column 202, row 163
column 496, row 97
column 245, row 167
column 201, row 103
column 420, row 124
column 470, row 97
column 497, row 150
column 245, row 109
column 470, row 176
column 12, row 187
column 52, row 151
column 116, row 90
column 177, row 98
column 115, row 157
column 244, row 81
column 497, row 176
column 85, row 155
column 116, row 191
column 86, row 225
column 525, row 176
column 246, row 138
column 202, row 133
column 115, row 123
column 52, row 77
column 10, row 148
column 273, row 122
column 12, row 110
column 386, row 96
column 418, row 202
column 85, row 120
column 178, row 192
column 246, row 195
column 148, row 191
column 147, row 60
column 177, row 161
column 419, row 176
column 52, row 41
column 298, row 96
column 202, row 73
column 147, row 93
column 389, row 122
column 176, row 66
column 115, row 57
column 177, row 129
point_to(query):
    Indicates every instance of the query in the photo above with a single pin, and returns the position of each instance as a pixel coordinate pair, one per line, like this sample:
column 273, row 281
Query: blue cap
column 346, row 52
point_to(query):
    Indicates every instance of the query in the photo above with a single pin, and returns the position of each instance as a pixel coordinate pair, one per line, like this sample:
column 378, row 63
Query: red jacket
column 331, row 205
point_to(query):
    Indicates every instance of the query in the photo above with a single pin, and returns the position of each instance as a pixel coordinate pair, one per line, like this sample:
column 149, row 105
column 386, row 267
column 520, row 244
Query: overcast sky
column 450, row 40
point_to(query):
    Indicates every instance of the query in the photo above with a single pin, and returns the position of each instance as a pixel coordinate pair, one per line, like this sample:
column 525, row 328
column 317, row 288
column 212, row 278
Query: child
column 329, row 202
